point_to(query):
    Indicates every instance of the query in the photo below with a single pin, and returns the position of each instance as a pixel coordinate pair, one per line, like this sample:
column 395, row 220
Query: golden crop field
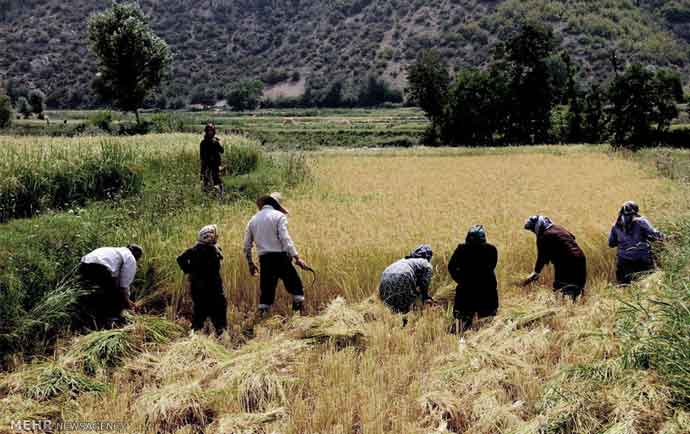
column 367, row 209
column 349, row 365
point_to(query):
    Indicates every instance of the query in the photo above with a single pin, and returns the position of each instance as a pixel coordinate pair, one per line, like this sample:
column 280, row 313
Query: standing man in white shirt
column 111, row 271
column 268, row 230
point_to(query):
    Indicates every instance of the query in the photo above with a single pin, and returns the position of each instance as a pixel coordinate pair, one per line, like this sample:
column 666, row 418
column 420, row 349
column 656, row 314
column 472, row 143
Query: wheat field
column 349, row 367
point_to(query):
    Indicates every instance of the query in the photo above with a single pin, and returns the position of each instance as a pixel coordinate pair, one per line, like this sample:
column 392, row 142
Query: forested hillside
column 295, row 46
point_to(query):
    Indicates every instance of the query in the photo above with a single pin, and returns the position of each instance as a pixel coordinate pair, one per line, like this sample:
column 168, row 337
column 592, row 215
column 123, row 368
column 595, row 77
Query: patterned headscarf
column 538, row 224
column 626, row 216
column 421, row 252
column 476, row 235
column 208, row 236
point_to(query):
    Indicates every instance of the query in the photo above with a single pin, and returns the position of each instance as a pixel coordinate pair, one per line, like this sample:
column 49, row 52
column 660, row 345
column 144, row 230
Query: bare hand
column 253, row 269
column 301, row 264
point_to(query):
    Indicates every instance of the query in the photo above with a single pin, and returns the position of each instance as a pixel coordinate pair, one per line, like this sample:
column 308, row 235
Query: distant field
column 284, row 129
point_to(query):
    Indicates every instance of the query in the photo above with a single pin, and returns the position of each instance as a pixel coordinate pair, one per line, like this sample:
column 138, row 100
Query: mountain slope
column 219, row 41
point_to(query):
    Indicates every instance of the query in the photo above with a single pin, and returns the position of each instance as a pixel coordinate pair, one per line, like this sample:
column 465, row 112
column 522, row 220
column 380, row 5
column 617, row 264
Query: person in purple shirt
column 632, row 235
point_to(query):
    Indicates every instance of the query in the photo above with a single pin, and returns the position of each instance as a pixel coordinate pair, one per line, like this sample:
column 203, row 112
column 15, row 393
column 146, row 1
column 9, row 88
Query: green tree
column 245, row 95
column 6, row 113
column 132, row 60
column 643, row 104
column 428, row 82
column 532, row 90
column 24, row 107
column 594, row 116
column 474, row 109
column 37, row 99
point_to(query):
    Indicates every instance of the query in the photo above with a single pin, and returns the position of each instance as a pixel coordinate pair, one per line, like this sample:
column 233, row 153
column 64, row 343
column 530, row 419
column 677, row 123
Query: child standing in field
column 632, row 235
column 556, row 245
column 268, row 229
column 473, row 266
column 210, row 151
column 202, row 264
column 405, row 280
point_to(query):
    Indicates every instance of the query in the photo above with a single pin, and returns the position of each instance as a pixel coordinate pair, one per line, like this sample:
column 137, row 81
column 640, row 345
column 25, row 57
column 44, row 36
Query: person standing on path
column 202, row 264
column 632, row 234
column 268, row 230
column 556, row 245
column 210, row 151
column 473, row 266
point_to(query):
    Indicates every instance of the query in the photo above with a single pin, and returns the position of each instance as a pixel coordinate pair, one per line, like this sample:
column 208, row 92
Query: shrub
column 24, row 107
column 168, row 123
column 6, row 114
column 37, row 100
column 102, row 120
column 240, row 160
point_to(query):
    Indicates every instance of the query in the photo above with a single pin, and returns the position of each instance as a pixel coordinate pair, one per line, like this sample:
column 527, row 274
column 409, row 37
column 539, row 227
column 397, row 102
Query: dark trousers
column 209, row 303
column 276, row 266
column 627, row 270
column 571, row 277
column 211, row 176
column 105, row 301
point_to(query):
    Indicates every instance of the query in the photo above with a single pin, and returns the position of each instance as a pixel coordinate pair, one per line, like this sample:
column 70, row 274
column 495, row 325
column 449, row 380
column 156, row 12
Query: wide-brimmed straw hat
column 274, row 199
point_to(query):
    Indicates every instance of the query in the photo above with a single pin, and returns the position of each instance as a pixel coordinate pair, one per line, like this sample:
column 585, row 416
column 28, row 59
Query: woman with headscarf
column 472, row 267
column 556, row 245
column 202, row 263
column 407, row 279
column 632, row 234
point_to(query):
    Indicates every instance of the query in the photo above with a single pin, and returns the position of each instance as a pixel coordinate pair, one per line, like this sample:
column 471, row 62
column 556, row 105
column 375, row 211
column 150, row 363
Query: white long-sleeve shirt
column 119, row 260
column 268, row 229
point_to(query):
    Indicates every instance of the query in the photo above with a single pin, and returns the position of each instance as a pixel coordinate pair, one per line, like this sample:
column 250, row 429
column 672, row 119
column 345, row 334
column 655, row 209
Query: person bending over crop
column 109, row 271
column 632, row 235
column 555, row 244
column 268, row 229
column 202, row 264
column 472, row 267
column 405, row 280
column 210, row 158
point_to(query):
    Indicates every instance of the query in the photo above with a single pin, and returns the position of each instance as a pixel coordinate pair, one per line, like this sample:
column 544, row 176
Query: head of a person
column 274, row 200
column 137, row 251
column 208, row 235
column 476, row 235
column 423, row 251
column 210, row 130
column 538, row 224
column 627, row 214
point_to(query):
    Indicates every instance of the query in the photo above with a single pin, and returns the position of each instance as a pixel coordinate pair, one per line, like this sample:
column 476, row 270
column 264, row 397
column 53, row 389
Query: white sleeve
column 284, row 237
column 248, row 241
column 127, row 271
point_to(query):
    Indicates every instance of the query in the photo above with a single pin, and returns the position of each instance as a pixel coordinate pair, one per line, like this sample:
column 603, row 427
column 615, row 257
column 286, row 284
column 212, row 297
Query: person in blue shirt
column 632, row 234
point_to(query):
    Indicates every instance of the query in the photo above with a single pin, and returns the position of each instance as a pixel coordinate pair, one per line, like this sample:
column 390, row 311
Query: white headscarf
column 538, row 224
column 208, row 236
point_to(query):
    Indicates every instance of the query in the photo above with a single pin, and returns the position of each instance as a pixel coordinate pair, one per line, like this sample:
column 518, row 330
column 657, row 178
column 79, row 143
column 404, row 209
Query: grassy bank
column 38, row 256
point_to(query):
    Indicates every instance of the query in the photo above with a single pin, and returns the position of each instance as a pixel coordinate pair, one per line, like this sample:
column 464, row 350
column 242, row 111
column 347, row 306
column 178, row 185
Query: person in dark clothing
column 202, row 263
column 408, row 279
column 632, row 234
column 210, row 151
column 556, row 245
column 472, row 267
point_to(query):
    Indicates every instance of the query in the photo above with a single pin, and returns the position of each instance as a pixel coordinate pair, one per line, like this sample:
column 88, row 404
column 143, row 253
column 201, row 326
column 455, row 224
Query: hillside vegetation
column 304, row 45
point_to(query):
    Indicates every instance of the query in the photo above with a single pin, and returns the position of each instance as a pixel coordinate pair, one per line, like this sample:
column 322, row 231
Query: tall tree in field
column 132, row 60
column 531, row 92
column 643, row 104
column 428, row 81
column 5, row 111
column 37, row 99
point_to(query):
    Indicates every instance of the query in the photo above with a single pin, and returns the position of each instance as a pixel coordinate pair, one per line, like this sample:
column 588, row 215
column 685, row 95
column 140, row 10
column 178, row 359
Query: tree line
column 530, row 93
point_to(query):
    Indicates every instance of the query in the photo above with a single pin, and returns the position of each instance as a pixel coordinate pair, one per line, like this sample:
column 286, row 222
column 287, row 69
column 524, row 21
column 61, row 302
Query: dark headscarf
column 476, row 235
column 627, row 214
column 421, row 252
column 209, row 127
column 538, row 224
